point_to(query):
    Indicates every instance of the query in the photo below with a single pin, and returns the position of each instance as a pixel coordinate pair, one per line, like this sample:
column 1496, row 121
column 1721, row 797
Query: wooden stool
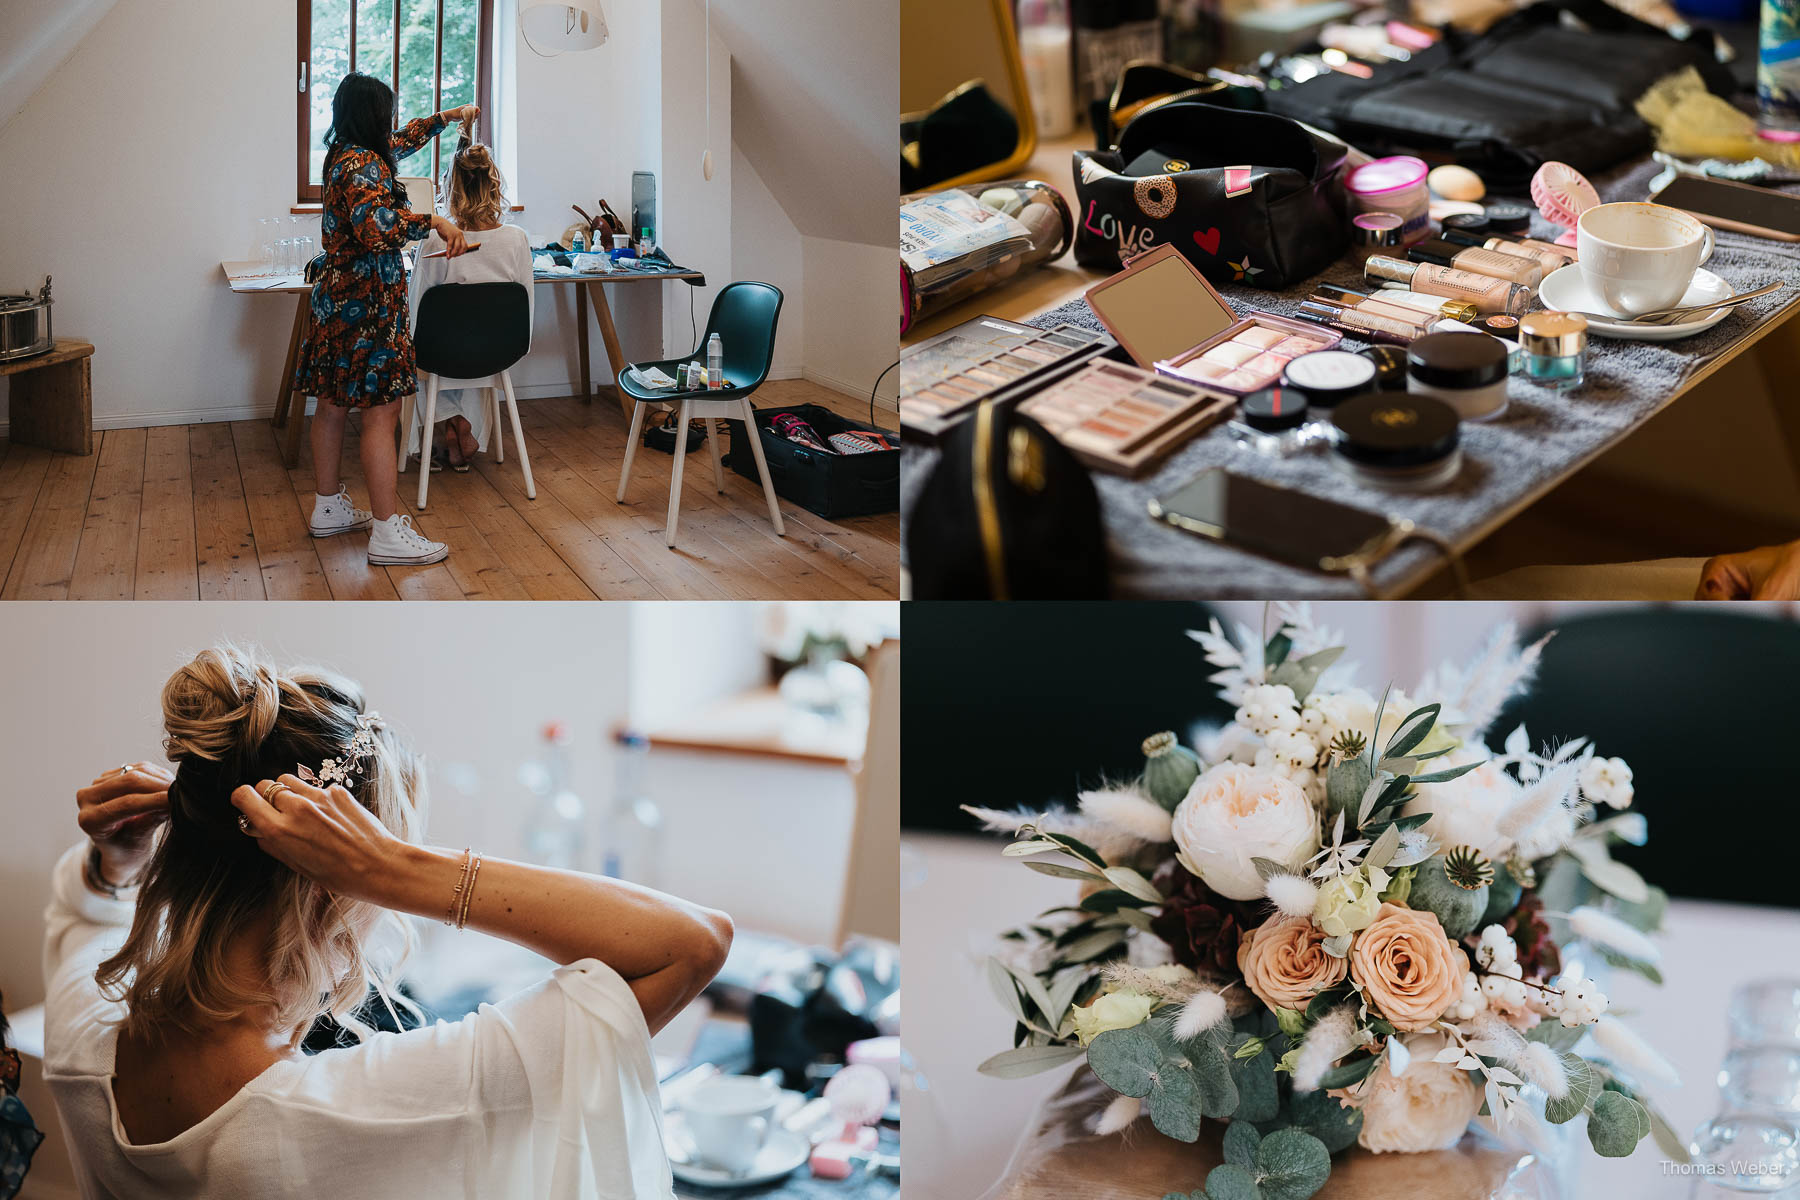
column 52, row 398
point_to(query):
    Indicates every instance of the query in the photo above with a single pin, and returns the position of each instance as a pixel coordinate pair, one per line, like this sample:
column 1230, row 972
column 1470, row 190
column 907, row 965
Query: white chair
column 467, row 333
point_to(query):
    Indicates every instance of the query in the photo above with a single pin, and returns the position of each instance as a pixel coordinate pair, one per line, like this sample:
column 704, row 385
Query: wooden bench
column 51, row 398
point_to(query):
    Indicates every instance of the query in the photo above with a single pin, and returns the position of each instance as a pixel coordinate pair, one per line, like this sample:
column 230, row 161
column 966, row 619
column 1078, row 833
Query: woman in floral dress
column 359, row 353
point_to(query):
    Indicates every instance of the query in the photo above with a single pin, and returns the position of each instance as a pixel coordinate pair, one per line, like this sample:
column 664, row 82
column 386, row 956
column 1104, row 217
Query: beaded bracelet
column 456, row 895
column 468, row 894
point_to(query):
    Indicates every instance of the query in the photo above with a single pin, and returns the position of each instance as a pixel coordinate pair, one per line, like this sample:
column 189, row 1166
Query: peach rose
column 1407, row 967
column 1285, row 964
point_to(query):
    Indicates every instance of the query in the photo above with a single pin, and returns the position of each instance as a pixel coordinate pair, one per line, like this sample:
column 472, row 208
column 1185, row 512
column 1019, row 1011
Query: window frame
column 311, row 193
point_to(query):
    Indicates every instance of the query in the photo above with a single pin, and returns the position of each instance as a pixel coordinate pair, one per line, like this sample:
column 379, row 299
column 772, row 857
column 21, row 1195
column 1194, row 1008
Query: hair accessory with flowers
column 1342, row 921
column 347, row 766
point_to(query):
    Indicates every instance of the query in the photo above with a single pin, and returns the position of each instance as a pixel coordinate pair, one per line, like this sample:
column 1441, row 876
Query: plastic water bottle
column 1044, row 42
column 715, row 363
column 1778, row 71
column 557, row 835
column 631, row 847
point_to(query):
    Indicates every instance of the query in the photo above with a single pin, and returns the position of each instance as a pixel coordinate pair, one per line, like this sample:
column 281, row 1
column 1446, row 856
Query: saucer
column 1566, row 291
column 784, row 1152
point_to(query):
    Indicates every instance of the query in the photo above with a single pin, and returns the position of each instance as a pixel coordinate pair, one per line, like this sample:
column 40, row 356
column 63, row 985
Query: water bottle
column 1778, row 72
column 1044, row 42
column 557, row 834
column 631, row 839
column 579, row 243
column 715, row 363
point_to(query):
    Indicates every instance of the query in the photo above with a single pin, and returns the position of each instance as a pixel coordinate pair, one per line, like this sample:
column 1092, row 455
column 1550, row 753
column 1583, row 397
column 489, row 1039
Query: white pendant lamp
column 551, row 27
column 706, row 168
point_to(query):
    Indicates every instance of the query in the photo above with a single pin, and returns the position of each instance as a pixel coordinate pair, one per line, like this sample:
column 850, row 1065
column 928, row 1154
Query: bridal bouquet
column 1345, row 920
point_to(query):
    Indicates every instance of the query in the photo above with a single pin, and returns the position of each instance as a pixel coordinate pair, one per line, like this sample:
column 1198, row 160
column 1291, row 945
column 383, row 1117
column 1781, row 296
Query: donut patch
column 1155, row 196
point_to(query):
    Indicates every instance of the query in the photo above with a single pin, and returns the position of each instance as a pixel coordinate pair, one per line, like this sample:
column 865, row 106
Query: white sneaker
column 333, row 515
column 395, row 543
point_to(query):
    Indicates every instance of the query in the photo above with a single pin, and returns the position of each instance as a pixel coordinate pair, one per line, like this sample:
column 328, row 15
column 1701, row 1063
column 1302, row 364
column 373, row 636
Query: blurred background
column 743, row 755
column 1024, row 705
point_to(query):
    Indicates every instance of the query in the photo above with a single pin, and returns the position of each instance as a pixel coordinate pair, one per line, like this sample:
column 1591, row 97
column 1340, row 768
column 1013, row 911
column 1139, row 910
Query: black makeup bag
column 1248, row 197
column 1007, row 514
column 1553, row 82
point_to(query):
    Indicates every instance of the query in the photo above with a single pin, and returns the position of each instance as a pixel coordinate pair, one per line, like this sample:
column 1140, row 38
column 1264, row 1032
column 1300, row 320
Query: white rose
column 1427, row 1108
column 1234, row 814
column 1466, row 810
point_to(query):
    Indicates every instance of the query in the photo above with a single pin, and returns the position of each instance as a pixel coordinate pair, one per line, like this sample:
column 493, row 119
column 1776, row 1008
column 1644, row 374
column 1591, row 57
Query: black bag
column 1530, row 90
column 830, row 484
column 1008, row 514
column 1248, row 197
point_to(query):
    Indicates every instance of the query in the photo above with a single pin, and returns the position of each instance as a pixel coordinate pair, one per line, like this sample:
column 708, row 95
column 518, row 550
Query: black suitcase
column 831, row 485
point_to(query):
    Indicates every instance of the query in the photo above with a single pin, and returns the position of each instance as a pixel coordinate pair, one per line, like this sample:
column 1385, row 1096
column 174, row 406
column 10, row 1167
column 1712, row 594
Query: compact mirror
column 965, row 111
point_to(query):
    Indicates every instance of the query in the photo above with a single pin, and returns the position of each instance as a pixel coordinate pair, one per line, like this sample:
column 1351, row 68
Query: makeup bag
column 1248, row 197
column 1534, row 88
column 1007, row 514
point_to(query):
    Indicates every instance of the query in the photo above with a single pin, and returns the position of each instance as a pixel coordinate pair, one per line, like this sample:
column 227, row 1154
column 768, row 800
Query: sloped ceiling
column 36, row 37
column 815, row 98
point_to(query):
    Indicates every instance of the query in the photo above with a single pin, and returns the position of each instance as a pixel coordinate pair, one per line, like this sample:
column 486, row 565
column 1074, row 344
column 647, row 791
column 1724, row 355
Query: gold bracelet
column 468, row 893
column 456, row 895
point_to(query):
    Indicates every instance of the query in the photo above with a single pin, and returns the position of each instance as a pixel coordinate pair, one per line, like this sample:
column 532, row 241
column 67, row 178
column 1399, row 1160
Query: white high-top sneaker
column 395, row 543
column 333, row 515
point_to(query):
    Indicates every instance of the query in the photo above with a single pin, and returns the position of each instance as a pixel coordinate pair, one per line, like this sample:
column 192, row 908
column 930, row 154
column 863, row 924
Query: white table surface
column 958, row 892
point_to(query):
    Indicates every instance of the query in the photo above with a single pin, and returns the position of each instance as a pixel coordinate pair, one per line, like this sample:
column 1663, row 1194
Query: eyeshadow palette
column 1167, row 316
column 1121, row 418
column 942, row 378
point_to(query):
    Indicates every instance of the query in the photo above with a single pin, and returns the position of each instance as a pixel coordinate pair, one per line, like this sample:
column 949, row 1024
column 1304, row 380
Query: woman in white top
column 206, row 924
column 477, row 196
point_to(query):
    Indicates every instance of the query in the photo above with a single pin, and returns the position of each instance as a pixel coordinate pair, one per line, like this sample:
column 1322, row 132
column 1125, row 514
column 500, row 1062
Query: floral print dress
column 358, row 352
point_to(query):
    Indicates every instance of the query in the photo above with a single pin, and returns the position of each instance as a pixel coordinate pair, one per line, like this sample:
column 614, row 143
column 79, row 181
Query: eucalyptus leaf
column 1254, row 1076
column 1126, row 1060
column 1648, row 915
column 1228, row 1181
column 1029, row 1060
column 1608, row 874
column 1175, row 1105
column 1240, row 1143
column 1066, row 872
column 1584, row 1085
column 1616, row 1124
column 1555, row 1035
column 1291, row 1165
column 1647, row 970
column 1320, row 1114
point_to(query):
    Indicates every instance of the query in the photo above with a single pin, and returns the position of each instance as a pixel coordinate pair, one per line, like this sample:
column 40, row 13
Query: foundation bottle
column 1549, row 258
column 1479, row 260
column 1485, row 292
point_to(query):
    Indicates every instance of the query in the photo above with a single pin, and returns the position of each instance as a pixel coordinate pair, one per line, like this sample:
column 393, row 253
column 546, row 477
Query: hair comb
column 347, row 766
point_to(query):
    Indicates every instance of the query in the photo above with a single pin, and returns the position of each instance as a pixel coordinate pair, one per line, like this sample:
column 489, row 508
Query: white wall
column 670, row 643
column 766, row 246
column 146, row 157
column 852, row 316
column 35, row 37
column 696, row 211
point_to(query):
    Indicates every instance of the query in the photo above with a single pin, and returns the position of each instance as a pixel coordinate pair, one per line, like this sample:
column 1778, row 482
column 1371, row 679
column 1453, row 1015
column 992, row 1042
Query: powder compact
column 1120, row 418
column 1167, row 316
column 1393, row 440
column 1468, row 371
column 1329, row 377
column 944, row 377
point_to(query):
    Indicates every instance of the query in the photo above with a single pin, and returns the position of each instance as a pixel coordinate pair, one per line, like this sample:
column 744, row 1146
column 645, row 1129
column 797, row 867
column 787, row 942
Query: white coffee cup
column 1636, row 258
column 730, row 1117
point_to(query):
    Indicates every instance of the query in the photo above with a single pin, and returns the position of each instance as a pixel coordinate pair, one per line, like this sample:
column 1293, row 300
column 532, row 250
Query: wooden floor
column 207, row 512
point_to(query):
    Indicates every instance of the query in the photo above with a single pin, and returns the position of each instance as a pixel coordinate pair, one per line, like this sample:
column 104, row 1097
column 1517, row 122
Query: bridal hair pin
column 347, row 766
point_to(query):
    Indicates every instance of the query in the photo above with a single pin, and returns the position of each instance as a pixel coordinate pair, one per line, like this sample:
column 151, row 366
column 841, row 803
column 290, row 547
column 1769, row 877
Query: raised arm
column 413, row 135
column 667, row 949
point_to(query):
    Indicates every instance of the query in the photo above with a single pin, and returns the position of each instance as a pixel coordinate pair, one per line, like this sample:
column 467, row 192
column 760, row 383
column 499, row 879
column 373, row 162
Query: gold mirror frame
column 1001, row 11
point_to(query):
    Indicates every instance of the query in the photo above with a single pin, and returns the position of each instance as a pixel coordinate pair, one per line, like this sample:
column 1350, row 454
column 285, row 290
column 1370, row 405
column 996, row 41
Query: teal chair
column 744, row 317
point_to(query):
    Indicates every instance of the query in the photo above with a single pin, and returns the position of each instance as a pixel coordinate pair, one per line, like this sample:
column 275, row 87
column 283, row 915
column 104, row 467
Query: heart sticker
column 1208, row 241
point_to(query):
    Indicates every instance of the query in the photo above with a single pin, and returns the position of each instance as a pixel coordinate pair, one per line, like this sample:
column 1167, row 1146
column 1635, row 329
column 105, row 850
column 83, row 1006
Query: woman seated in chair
column 477, row 200
column 213, row 914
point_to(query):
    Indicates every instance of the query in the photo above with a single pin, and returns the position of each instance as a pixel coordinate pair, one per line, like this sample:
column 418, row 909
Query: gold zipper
column 987, row 512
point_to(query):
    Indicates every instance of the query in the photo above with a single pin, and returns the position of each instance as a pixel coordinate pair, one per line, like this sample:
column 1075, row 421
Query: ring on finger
column 280, row 789
column 267, row 788
column 125, row 768
column 243, row 824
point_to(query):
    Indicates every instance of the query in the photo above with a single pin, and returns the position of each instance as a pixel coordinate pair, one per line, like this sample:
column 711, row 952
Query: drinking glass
column 1746, row 1153
column 1761, row 1079
column 1766, row 1012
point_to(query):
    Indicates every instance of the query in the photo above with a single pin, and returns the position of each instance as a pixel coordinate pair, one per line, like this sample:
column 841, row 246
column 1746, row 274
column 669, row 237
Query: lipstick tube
column 1550, row 258
column 1486, row 293
column 1479, row 260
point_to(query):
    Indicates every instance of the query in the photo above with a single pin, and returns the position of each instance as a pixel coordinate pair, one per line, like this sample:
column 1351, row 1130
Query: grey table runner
column 1542, row 436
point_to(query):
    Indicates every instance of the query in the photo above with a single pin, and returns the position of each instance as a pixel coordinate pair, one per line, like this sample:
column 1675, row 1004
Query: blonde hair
column 474, row 185
column 231, row 719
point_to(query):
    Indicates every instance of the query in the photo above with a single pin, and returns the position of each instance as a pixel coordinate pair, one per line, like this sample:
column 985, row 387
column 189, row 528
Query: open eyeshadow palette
column 944, row 377
column 1120, row 418
column 1167, row 316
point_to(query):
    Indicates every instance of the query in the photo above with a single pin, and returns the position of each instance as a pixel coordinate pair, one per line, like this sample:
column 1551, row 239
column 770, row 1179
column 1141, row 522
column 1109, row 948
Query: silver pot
column 25, row 324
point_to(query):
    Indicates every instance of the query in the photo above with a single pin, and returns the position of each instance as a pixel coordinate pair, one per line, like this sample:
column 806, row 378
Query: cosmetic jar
column 1500, row 325
column 1375, row 233
column 1475, row 222
column 1274, row 410
column 1390, row 366
column 1465, row 370
column 1407, row 442
column 1393, row 185
column 1508, row 216
column 1555, row 345
column 1329, row 377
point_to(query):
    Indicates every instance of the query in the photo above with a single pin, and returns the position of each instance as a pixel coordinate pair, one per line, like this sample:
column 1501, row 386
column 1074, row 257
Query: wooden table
column 52, row 398
column 241, row 277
